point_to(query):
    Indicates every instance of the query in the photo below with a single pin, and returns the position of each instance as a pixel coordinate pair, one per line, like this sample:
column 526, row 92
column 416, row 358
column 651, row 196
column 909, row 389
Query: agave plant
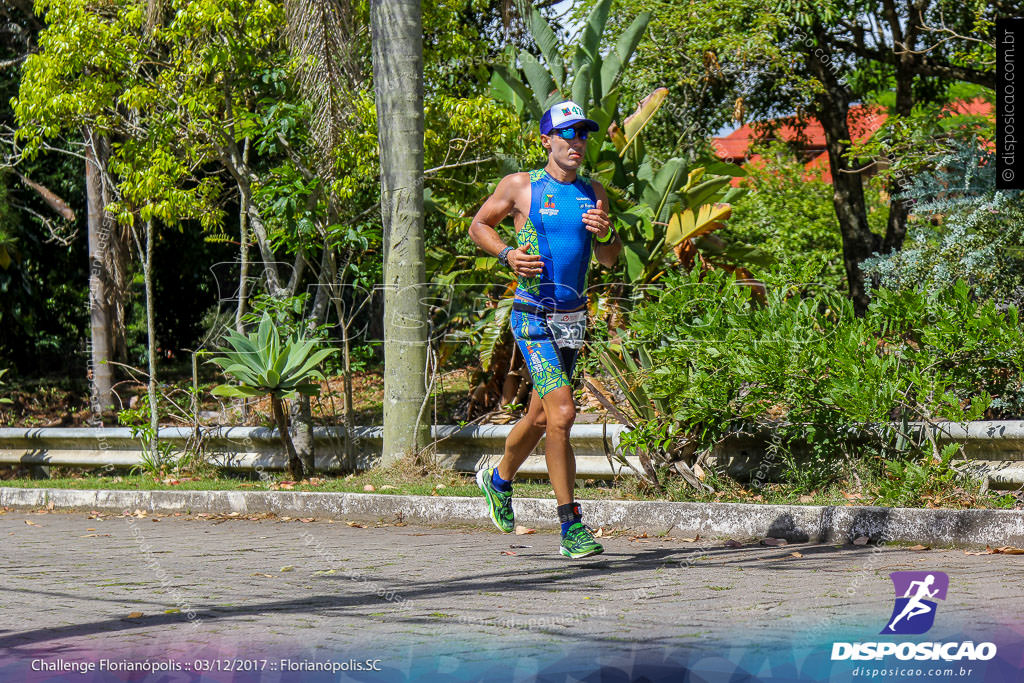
column 264, row 364
column 653, row 437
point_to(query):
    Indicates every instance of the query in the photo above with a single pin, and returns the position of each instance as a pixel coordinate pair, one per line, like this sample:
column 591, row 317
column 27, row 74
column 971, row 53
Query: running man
column 914, row 606
column 560, row 221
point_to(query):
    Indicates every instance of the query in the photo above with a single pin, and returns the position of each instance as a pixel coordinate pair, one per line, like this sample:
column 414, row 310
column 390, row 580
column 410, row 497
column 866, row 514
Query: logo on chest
column 549, row 208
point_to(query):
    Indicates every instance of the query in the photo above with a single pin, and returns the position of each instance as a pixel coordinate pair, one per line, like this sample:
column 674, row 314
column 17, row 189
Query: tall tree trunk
column 101, row 315
column 154, row 420
column 833, row 106
column 397, row 37
column 899, row 208
column 243, row 271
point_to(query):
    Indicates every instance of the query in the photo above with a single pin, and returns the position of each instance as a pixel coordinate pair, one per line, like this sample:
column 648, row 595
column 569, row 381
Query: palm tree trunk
column 397, row 37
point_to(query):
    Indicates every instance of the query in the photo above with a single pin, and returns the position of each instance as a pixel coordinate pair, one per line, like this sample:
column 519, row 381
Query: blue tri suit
column 555, row 231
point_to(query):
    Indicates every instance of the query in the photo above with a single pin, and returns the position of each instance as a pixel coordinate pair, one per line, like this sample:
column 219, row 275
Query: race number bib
column 567, row 328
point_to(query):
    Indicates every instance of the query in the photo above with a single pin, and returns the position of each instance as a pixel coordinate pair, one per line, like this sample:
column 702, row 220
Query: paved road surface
column 76, row 586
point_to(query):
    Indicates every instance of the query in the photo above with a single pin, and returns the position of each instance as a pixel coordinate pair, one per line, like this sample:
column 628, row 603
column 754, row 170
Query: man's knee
column 560, row 415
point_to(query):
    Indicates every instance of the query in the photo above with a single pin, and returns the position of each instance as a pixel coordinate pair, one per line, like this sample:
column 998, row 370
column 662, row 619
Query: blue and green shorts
column 550, row 366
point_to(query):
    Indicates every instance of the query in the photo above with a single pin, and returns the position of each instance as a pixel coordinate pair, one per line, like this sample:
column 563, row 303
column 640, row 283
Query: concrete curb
column 797, row 523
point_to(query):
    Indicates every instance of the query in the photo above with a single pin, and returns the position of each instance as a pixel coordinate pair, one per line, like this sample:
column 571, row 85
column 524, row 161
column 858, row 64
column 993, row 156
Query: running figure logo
column 549, row 201
column 913, row 612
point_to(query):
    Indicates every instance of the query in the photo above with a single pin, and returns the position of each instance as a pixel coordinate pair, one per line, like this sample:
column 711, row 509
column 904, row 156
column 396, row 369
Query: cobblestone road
column 77, row 584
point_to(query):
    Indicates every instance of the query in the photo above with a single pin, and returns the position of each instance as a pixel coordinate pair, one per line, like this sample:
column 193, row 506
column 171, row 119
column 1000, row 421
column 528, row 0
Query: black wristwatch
column 503, row 256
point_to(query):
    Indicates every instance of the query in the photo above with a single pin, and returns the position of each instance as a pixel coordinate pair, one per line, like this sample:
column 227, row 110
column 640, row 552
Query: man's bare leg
column 526, row 434
column 523, row 438
column 560, row 413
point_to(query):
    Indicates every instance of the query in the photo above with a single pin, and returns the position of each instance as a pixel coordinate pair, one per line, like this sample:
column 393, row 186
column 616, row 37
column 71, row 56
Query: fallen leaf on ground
column 920, row 547
column 91, row 529
column 522, row 530
column 30, row 522
column 774, row 541
column 288, row 568
column 369, row 488
column 388, row 487
column 357, row 525
column 439, row 486
column 134, row 615
column 796, row 554
column 599, row 533
column 805, row 499
column 507, row 552
column 307, row 520
column 1005, row 550
column 733, row 544
column 268, row 576
column 861, row 540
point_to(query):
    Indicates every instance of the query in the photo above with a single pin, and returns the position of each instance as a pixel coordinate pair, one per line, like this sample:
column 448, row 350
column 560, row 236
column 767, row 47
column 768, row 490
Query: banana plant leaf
column 590, row 42
column 493, row 329
column 687, row 224
column 548, row 43
column 615, row 60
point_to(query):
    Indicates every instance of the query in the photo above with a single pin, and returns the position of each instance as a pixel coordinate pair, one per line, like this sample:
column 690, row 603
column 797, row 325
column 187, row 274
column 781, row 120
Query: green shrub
column 802, row 363
column 961, row 228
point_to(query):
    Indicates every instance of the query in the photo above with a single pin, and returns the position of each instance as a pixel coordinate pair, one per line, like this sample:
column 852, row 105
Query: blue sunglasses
column 570, row 133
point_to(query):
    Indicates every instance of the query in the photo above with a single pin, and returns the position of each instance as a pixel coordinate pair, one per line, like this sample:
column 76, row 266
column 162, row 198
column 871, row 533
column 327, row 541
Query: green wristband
column 607, row 238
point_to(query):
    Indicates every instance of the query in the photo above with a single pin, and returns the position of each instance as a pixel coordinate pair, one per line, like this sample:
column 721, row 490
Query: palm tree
column 397, row 39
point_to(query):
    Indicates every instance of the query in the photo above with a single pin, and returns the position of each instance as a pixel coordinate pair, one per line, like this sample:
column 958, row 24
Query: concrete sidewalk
column 797, row 523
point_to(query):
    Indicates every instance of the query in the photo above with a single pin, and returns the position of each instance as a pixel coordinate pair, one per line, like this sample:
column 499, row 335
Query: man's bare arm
column 607, row 254
column 494, row 210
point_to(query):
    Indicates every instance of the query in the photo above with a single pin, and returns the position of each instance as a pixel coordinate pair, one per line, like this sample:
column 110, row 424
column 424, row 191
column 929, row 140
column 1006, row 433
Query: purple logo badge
column 914, row 611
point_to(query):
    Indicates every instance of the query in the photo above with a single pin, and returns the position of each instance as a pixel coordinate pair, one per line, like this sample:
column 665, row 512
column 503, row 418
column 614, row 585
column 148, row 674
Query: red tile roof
column 863, row 121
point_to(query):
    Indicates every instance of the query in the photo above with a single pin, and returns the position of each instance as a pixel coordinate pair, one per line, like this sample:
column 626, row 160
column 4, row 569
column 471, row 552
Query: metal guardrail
column 464, row 449
column 995, row 449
